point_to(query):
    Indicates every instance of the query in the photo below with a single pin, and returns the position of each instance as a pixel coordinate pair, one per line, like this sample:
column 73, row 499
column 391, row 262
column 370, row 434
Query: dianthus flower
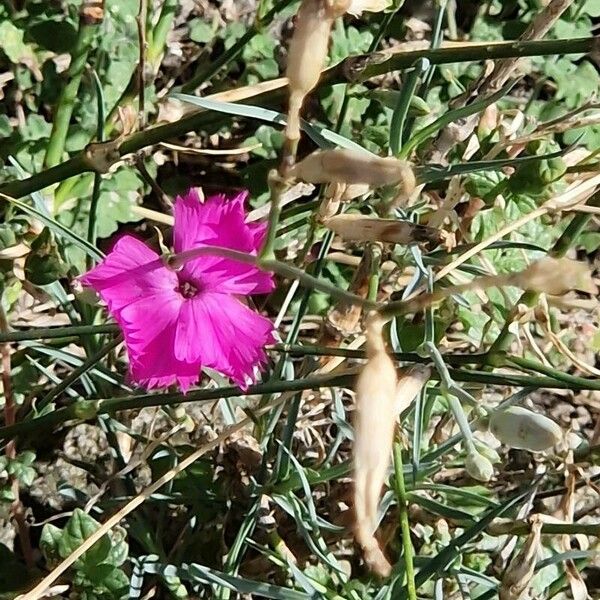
column 176, row 321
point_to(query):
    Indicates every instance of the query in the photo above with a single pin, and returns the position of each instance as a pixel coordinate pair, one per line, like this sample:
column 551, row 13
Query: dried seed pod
column 308, row 52
column 354, row 167
column 357, row 7
column 557, row 276
column 519, row 573
column 478, row 466
column 374, row 421
column 410, row 384
column 519, row 427
column 345, row 193
column 371, row 229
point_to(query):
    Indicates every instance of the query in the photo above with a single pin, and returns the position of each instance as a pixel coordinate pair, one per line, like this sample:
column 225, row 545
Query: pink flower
column 176, row 322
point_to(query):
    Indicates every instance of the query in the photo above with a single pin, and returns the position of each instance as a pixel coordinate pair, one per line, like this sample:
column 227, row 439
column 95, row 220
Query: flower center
column 187, row 289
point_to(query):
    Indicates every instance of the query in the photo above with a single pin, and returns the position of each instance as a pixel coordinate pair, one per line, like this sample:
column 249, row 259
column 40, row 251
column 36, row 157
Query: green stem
column 175, row 261
column 111, row 405
column 397, row 133
column 522, row 527
column 361, row 67
column 157, row 39
column 365, row 66
column 404, row 524
column 156, row 45
column 66, row 102
column 89, row 409
column 449, row 117
column 91, row 232
column 462, row 422
column 90, row 363
column 277, row 187
column 49, row 333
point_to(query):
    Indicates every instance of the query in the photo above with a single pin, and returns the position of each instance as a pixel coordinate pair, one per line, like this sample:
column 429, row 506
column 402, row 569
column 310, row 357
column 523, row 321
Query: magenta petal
column 258, row 231
column 219, row 222
column 129, row 273
column 149, row 326
column 223, row 334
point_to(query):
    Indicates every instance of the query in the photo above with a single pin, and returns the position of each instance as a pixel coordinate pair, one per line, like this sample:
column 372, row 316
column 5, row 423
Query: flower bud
column 374, row 422
column 478, row 466
column 354, row 167
column 557, row 276
column 518, row 575
column 518, row 427
column 308, row 52
column 370, row 229
column 487, row 452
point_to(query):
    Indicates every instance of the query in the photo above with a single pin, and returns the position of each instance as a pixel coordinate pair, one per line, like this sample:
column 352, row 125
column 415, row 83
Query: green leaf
column 591, row 7
column 119, row 548
column 49, row 543
column 320, row 135
column 201, row 31
column 43, row 264
column 11, row 42
column 80, row 527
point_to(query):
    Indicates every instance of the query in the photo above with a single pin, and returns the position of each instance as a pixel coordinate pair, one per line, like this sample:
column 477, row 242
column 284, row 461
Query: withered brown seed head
column 308, row 52
column 354, row 167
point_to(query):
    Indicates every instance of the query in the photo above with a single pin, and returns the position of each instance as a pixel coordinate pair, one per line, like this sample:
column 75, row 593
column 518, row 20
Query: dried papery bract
column 518, row 575
column 308, row 52
column 354, row 167
column 518, row 427
column 357, row 7
column 380, row 397
column 370, row 229
column 374, row 422
column 556, row 276
column 410, row 384
column 345, row 192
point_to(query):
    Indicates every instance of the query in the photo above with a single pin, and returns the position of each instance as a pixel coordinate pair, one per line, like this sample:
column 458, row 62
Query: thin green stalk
column 50, row 333
column 532, row 365
column 397, row 133
column 436, row 40
column 158, row 35
column 407, row 546
column 523, row 527
column 277, row 187
column 344, row 72
column 89, row 409
column 156, row 41
column 385, row 23
column 68, row 97
column 235, row 50
column 311, row 282
column 448, row 117
column 91, row 232
column 86, row 366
